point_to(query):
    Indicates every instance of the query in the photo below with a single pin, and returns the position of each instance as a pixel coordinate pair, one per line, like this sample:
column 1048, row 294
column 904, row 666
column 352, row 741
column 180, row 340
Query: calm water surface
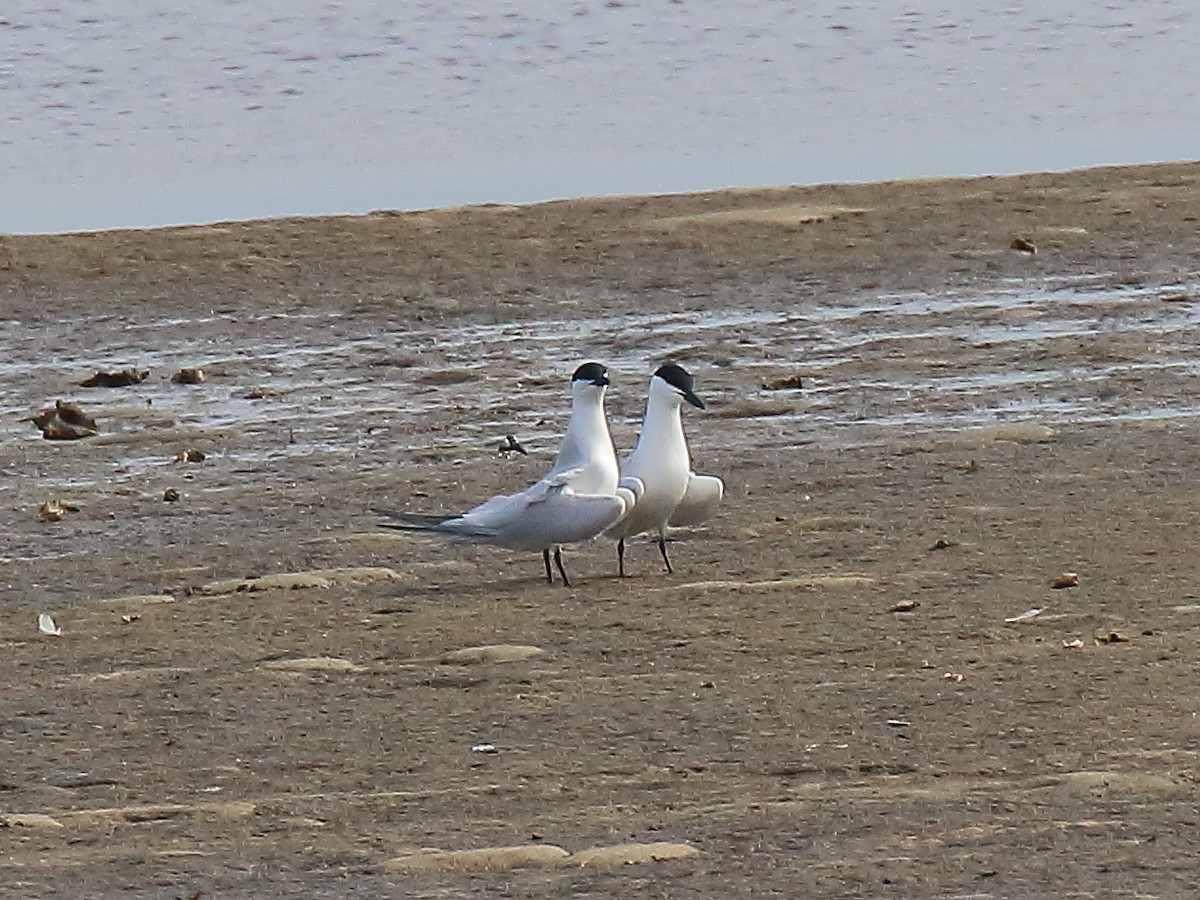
column 146, row 112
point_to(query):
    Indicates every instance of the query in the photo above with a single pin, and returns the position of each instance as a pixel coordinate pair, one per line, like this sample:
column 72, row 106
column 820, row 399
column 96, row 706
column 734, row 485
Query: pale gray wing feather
column 563, row 517
column 634, row 485
column 700, row 501
column 630, row 490
column 498, row 510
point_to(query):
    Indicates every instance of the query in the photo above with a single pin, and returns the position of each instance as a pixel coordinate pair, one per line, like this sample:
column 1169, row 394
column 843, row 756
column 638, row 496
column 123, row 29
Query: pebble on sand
column 123, row 378
column 189, row 376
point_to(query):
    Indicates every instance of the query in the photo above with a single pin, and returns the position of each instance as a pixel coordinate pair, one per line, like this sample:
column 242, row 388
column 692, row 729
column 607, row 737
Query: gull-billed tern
column 577, row 499
column 659, row 470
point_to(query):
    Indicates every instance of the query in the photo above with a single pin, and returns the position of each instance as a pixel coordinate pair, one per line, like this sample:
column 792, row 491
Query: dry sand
column 258, row 695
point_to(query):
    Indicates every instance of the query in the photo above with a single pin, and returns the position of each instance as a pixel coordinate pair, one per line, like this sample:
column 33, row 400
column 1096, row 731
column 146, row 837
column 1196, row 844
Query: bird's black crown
column 677, row 377
column 593, row 372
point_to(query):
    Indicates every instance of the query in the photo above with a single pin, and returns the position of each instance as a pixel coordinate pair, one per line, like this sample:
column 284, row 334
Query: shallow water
column 920, row 365
column 118, row 113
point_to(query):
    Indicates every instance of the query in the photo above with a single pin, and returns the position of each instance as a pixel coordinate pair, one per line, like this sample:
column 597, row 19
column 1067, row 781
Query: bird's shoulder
column 555, row 483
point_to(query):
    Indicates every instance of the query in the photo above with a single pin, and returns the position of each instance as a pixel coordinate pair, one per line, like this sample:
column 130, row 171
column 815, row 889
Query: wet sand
column 256, row 693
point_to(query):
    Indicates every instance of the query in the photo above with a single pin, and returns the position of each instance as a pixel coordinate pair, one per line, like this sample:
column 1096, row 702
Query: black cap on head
column 678, row 378
column 592, row 372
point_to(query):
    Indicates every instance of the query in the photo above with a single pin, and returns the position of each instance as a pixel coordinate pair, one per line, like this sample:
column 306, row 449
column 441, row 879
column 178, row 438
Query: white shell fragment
column 1026, row 616
column 46, row 625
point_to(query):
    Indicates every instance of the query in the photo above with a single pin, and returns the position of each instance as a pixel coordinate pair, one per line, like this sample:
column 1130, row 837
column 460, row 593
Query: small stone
column 1065, row 580
column 790, row 383
column 124, row 378
column 189, row 376
column 54, row 510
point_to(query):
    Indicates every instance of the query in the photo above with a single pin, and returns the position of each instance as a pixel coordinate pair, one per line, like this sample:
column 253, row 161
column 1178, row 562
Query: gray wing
column 545, row 514
column 498, row 511
column 562, row 517
column 700, row 501
column 630, row 490
column 484, row 521
column 536, row 520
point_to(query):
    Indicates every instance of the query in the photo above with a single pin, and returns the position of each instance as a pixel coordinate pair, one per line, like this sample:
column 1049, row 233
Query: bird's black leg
column 621, row 558
column 662, row 548
column 546, row 560
column 561, row 570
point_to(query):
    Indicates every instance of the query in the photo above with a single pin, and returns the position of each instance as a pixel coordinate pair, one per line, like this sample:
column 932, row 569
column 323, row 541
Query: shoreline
column 288, row 203
column 732, row 247
column 598, row 198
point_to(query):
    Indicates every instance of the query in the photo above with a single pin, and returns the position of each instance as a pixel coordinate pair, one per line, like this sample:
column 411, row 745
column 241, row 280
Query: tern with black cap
column 668, row 492
column 577, row 499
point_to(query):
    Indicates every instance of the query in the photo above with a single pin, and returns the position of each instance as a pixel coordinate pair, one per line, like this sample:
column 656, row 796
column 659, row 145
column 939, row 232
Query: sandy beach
column 930, row 401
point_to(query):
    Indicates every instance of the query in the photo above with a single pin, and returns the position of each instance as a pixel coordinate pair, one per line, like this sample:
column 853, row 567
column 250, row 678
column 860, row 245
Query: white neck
column 662, row 430
column 588, row 443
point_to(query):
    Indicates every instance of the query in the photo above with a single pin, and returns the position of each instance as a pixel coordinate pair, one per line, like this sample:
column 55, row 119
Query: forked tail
column 405, row 521
column 455, row 526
